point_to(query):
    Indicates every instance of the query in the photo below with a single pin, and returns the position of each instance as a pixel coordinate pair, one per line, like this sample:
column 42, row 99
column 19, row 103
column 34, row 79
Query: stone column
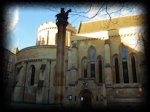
column 108, row 71
column 67, row 81
column 74, row 54
column 60, row 59
column 19, row 88
column 49, row 80
column 69, row 58
column 104, row 95
column 74, row 68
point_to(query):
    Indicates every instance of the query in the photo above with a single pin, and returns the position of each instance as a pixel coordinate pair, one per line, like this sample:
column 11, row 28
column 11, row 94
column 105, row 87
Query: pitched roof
column 114, row 23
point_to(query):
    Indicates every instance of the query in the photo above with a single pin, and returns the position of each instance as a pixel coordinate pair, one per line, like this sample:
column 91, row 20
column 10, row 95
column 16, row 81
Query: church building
column 104, row 64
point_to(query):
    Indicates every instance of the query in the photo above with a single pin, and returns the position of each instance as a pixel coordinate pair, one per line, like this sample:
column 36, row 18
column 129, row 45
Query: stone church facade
column 104, row 64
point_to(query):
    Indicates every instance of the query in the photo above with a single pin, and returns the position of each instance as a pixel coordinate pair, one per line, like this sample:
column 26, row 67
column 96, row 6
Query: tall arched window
column 124, row 64
column 133, row 69
column 117, row 78
column 92, row 61
column 100, row 70
column 84, row 66
column 32, row 75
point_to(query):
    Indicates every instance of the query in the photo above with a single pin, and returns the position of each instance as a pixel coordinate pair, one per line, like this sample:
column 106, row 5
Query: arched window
column 133, row 69
column 117, row 78
column 84, row 66
column 32, row 75
column 100, row 70
column 124, row 64
column 92, row 61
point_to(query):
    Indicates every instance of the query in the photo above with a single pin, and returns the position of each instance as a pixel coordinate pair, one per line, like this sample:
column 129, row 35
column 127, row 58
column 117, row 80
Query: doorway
column 85, row 98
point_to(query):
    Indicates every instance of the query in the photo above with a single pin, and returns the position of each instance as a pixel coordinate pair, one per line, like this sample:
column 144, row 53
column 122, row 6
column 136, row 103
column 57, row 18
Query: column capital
column 107, row 41
column 74, row 44
column 69, row 49
column 107, row 65
column 74, row 68
column 64, row 23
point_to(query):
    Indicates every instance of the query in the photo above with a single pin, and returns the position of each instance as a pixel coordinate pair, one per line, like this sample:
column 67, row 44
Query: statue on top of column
column 63, row 16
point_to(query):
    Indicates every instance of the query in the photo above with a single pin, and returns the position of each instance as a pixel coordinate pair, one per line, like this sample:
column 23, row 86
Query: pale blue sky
column 25, row 20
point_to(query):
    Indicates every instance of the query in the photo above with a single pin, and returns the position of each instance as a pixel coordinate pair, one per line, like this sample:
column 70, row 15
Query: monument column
column 60, row 59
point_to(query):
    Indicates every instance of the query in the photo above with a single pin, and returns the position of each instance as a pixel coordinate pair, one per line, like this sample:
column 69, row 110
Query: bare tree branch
column 85, row 11
column 108, row 15
column 92, row 16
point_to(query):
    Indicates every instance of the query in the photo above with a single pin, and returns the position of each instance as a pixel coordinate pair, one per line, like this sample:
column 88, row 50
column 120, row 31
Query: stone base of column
column 104, row 95
column 18, row 94
column 42, row 95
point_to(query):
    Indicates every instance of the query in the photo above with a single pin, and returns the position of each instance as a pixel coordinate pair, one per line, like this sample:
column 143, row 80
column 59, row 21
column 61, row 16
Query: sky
column 22, row 21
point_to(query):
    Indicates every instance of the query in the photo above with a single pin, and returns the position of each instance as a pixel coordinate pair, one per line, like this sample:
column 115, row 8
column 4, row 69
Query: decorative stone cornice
column 129, row 85
column 37, row 47
column 34, row 60
column 108, row 85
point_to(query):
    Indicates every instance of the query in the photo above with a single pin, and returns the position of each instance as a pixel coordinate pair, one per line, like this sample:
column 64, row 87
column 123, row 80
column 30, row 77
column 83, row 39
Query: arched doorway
column 85, row 98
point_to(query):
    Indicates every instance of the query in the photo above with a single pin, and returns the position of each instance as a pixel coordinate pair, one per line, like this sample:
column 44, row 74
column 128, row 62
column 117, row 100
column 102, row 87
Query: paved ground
column 41, row 107
column 57, row 108
column 25, row 107
column 31, row 106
